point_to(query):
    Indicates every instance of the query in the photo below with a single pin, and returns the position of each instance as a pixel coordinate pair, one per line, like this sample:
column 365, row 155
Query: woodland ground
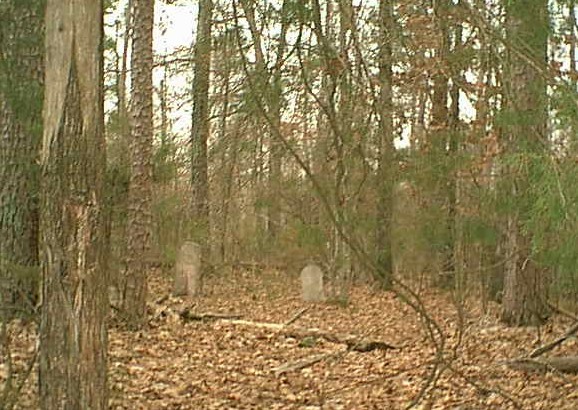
column 218, row 365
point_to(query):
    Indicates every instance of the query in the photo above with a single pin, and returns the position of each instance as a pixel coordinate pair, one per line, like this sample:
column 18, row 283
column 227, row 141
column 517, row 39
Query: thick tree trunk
column 139, row 228
column 73, row 335
column 525, row 283
column 21, row 76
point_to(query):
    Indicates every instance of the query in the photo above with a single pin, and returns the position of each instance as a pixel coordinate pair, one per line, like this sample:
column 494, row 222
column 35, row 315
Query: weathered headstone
column 188, row 270
column 312, row 284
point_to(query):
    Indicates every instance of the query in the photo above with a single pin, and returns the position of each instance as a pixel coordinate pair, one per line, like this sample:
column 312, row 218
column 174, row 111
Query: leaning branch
column 550, row 346
column 534, row 362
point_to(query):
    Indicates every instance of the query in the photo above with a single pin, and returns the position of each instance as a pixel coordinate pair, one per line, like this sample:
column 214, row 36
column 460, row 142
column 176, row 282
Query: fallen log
column 353, row 342
column 563, row 364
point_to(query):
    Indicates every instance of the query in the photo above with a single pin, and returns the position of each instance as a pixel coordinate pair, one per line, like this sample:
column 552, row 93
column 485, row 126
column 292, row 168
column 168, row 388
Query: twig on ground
column 297, row 315
column 305, row 362
column 189, row 316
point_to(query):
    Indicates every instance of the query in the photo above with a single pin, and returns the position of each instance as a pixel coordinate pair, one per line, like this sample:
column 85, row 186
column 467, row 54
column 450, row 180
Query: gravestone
column 188, row 270
column 312, row 284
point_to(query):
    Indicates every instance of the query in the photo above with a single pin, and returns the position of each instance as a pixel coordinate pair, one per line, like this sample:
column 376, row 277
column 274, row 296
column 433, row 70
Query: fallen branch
column 303, row 363
column 352, row 342
column 563, row 364
column 550, row 346
column 251, row 265
column 189, row 316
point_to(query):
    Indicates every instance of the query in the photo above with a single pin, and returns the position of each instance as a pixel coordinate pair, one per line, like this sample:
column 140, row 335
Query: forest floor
column 223, row 364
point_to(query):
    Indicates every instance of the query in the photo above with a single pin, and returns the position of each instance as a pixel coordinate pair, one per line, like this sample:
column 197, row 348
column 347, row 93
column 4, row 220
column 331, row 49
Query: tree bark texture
column 73, row 333
column 21, row 77
column 139, row 227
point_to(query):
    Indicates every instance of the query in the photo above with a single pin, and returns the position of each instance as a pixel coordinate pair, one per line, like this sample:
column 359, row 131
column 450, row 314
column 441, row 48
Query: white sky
column 173, row 29
column 179, row 21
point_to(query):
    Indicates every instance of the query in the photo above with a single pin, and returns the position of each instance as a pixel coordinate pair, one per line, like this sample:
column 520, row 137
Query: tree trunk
column 525, row 283
column 441, row 133
column 121, row 80
column 229, row 152
column 118, row 165
column 21, row 76
column 200, row 131
column 336, row 96
column 201, row 125
column 455, row 242
column 342, row 134
column 139, row 226
column 275, row 147
column 386, row 167
column 73, row 334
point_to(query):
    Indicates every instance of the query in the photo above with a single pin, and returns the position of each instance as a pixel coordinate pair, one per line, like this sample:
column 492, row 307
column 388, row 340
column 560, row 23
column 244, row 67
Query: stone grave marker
column 188, row 270
column 312, row 284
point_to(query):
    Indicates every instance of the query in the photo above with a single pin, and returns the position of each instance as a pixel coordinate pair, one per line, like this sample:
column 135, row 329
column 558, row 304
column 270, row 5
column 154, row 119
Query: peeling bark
column 73, row 334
